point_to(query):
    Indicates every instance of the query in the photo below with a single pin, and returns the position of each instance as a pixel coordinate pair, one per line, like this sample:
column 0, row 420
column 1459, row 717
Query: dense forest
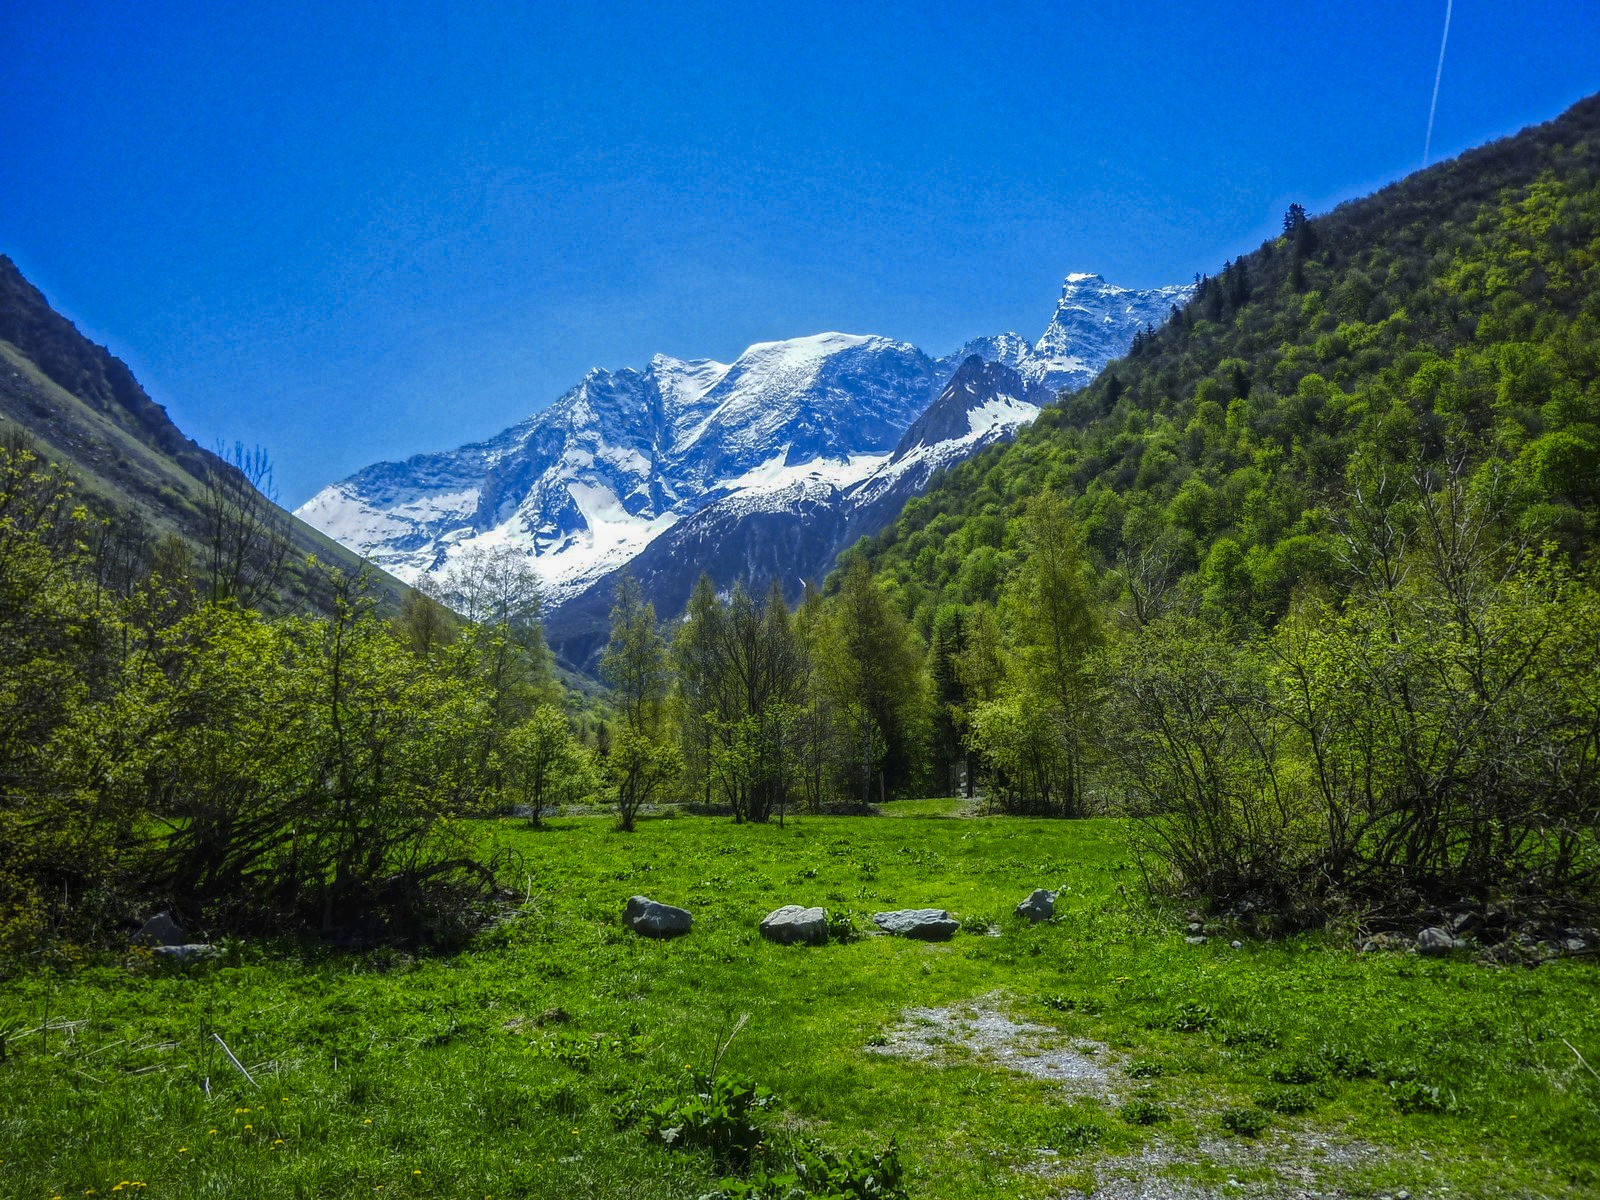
column 1305, row 584
column 1321, row 599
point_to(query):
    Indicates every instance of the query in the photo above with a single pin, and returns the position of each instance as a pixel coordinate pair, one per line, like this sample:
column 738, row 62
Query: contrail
column 1427, row 143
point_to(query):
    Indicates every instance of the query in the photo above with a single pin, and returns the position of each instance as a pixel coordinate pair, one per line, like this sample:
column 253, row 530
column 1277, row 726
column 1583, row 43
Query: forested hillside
column 1454, row 313
column 81, row 407
column 1304, row 578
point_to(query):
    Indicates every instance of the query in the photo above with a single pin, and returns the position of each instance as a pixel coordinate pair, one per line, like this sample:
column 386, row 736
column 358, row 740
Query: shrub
column 852, row 1175
column 1246, row 1122
column 1288, row 1100
column 719, row 1116
column 1143, row 1111
column 1191, row 1017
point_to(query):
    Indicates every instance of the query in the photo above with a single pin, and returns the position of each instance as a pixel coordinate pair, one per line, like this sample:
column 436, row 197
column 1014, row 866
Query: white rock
column 792, row 923
column 1435, row 941
column 160, row 930
column 924, row 924
column 185, row 952
column 1040, row 906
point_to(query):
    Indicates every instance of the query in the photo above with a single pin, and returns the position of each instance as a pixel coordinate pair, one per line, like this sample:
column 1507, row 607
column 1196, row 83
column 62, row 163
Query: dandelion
column 368, row 1121
column 277, row 1141
column 248, row 1128
column 416, row 1172
column 213, row 1131
column 237, row 1111
column 183, row 1149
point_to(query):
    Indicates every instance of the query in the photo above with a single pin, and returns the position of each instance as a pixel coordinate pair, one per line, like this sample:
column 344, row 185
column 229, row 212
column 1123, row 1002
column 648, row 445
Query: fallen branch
column 1580, row 1057
column 234, row 1060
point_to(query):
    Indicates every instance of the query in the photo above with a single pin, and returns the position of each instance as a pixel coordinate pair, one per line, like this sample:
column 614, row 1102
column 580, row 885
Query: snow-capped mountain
column 585, row 485
column 757, row 468
column 1094, row 322
column 789, row 524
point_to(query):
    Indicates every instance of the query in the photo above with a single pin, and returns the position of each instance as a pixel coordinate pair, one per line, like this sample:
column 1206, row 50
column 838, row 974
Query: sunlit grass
column 509, row 1070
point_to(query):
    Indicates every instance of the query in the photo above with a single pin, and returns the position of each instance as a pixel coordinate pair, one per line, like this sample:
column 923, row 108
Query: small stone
column 1574, row 945
column 1195, row 939
column 924, row 924
column 653, row 919
column 1039, row 906
column 792, row 923
column 1435, row 941
column 1236, row 945
column 160, row 930
column 1465, row 922
column 1196, row 927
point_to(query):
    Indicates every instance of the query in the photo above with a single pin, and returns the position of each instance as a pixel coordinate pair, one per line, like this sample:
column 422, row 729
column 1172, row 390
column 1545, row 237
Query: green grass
column 514, row 1069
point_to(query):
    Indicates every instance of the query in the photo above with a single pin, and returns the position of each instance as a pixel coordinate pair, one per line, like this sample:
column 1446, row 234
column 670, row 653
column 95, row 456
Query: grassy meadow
column 524, row 1066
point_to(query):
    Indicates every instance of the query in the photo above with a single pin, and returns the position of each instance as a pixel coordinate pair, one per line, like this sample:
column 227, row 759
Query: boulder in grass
column 652, row 919
column 1040, row 906
column 792, row 923
column 924, row 924
column 160, row 930
column 1435, row 940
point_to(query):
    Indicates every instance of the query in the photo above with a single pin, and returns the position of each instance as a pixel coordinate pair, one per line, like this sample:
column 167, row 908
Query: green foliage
column 1246, row 1122
column 58, row 633
column 543, row 764
column 871, row 671
column 640, row 765
column 853, row 1175
column 1144, row 1111
column 1339, row 514
column 163, row 746
column 1287, row 1101
column 718, row 1115
column 741, row 674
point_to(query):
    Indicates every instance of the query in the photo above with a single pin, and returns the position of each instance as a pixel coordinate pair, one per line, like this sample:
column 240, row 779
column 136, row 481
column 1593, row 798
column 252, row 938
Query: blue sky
column 347, row 232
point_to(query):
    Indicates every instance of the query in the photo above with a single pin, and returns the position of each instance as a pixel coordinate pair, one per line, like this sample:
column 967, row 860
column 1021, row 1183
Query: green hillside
column 1305, row 581
column 1454, row 313
column 83, row 408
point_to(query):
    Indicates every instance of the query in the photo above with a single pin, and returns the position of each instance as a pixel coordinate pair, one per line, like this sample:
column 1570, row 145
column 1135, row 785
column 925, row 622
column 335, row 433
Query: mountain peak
column 823, row 435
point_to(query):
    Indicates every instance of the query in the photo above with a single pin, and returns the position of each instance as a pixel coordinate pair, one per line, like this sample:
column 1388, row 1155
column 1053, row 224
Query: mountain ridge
column 85, row 409
column 811, row 425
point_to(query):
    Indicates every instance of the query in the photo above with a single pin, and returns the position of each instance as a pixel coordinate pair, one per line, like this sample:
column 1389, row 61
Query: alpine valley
column 760, row 469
